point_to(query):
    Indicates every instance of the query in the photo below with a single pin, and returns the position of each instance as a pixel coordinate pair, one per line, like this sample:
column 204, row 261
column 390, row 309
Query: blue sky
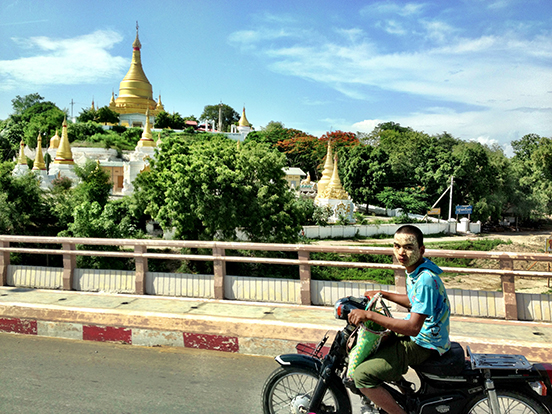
column 478, row 69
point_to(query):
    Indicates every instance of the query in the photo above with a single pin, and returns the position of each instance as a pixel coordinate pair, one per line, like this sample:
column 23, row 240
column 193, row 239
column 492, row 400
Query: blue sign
column 464, row 209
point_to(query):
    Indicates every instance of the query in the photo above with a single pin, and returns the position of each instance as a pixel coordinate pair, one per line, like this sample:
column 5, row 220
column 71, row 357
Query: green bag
column 368, row 337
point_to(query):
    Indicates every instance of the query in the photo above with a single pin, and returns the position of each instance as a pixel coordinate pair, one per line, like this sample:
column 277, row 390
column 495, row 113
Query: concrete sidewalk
column 245, row 327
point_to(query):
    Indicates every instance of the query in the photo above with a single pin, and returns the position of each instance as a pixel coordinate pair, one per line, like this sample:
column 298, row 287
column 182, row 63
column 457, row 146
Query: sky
column 477, row 69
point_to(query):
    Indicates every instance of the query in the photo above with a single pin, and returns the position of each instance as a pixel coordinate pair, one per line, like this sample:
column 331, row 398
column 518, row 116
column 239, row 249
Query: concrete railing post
column 219, row 270
column 400, row 283
column 509, row 290
column 4, row 263
column 141, row 270
column 305, row 278
column 69, row 265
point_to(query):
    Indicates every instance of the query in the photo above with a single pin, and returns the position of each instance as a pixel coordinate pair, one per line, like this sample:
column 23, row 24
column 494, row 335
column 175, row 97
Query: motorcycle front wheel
column 510, row 403
column 289, row 390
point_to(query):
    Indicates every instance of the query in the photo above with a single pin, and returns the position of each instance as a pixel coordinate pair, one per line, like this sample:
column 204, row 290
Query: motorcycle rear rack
column 498, row 361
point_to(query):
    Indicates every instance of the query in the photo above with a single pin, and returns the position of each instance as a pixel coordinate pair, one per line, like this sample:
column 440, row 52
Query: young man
column 424, row 332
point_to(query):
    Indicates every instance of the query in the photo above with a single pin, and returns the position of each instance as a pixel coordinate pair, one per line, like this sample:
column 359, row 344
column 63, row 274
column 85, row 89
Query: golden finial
column 39, row 163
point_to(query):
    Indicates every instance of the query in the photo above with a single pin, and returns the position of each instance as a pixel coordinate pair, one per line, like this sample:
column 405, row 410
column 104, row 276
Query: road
column 47, row 375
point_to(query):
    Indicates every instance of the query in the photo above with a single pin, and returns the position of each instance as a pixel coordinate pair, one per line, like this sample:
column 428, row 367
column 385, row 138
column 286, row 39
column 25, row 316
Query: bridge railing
column 139, row 251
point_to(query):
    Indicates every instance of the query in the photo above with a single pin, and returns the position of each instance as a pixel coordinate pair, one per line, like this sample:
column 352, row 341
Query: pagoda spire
column 135, row 90
column 334, row 190
column 328, row 171
column 22, row 158
column 64, row 154
column 243, row 120
column 147, row 136
column 39, row 163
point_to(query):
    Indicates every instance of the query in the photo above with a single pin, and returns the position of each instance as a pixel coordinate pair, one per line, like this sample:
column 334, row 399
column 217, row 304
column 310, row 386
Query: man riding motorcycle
column 425, row 331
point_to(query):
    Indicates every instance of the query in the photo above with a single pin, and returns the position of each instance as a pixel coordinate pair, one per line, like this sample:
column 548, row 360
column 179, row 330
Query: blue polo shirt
column 428, row 296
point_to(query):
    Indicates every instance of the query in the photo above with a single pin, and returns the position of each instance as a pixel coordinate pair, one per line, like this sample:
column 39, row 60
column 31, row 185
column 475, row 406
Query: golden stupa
column 22, row 158
column 54, row 141
column 135, row 90
column 334, row 190
column 327, row 173
column 147, row 137
column 39, row 163
column 243, row 122
column 64, row 155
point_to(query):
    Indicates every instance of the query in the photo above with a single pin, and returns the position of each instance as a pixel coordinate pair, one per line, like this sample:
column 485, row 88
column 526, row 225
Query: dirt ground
column 527, row 242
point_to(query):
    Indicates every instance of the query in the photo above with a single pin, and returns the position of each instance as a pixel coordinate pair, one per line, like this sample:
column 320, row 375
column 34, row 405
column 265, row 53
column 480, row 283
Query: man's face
column 406, row 249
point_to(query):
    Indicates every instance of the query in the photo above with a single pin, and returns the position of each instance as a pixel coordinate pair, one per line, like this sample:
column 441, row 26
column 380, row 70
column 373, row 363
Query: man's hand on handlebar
column 358, row 316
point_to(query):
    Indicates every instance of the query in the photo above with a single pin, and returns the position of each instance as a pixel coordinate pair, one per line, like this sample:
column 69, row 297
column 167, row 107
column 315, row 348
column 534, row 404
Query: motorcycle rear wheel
column 288, row 390
column 510, row 403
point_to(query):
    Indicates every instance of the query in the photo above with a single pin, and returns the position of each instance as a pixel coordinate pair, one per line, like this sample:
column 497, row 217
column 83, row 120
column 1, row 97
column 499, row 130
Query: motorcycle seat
column 450, row 363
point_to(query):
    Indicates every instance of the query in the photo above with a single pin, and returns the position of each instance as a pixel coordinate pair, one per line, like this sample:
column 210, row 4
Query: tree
column 107, row 116
column 94, row 185
column 229, row 115
column 207, row 188
column 366, row 172
column 23, row 207
column 21, row 104
column 410, row 200
column 87, row 115
column 305, row 152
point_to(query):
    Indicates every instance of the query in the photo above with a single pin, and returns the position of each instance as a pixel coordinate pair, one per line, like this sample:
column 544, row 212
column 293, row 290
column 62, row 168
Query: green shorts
column 390, row 362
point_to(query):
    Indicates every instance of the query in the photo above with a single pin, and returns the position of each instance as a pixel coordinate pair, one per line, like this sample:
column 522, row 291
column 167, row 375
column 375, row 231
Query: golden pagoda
column 328, row 171
column 334, row 190
column 39, row 163
column 64, row 154
column 135, row 90
column 54, row 141
column 147, row 136
column 22, row 158
column 243, row 120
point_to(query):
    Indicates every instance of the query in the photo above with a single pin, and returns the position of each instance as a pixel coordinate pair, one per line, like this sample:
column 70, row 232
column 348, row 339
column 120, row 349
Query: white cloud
column 389, row 7
column 496, row 82
column 80, row 60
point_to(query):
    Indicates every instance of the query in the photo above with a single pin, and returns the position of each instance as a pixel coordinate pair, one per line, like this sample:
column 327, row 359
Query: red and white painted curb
column 131, row 336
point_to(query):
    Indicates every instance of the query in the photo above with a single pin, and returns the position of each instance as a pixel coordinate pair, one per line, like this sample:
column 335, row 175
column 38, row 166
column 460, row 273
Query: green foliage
column 107, row 116
column 21, row 103
column 410, row 200
column 172, row 121
column 366, row 172
column 23, row 207
column 82, row 131
column 229, row 115
column 207, row 188
column 94, row 185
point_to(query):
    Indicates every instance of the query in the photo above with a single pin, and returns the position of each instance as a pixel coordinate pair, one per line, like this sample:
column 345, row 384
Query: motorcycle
column 310, row 382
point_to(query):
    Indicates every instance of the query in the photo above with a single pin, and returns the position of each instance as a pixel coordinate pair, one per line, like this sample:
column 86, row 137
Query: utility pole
column 72, row 103
column 220, row 117
column 450, row 202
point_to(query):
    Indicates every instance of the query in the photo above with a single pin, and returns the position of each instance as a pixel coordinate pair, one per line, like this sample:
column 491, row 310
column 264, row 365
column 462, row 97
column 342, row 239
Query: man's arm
column 398, row 298
column 409, row 327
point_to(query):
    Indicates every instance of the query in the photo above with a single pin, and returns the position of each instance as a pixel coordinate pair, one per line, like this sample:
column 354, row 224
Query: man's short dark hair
column 415, row 231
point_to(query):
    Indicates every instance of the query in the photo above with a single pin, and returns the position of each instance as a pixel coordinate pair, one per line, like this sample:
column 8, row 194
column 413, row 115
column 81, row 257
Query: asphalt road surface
column 48, row 375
